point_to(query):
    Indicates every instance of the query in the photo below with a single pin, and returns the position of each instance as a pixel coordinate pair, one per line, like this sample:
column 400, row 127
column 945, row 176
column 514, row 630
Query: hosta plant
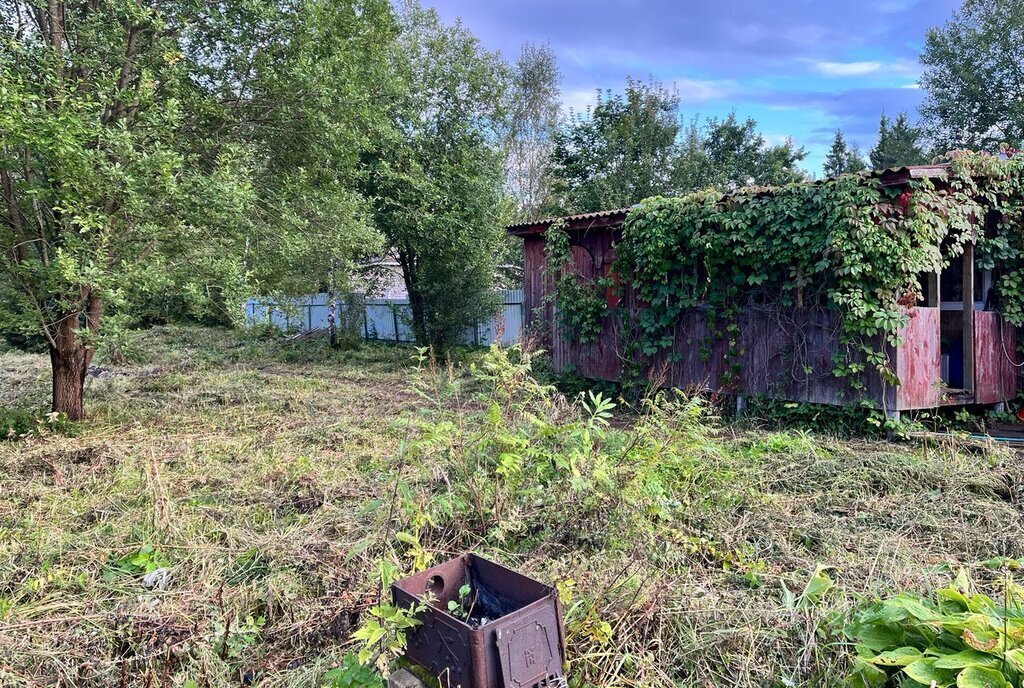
column 960, row 637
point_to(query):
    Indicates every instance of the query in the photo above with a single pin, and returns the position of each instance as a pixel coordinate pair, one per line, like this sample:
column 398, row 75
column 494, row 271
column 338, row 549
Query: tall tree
column 899, row 144
column 146, row 150
column 728, row 154
column 437, row 184
column 618, row 152
column 102, row 196
column 842, row 158
column 737, row 156
column 973, row 77
column 534, row 115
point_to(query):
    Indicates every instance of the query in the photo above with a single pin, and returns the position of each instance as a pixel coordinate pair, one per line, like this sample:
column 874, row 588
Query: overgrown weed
column 263, row 488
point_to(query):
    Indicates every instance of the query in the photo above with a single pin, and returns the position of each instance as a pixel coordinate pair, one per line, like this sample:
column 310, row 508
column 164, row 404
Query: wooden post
column 968, row 303
column 934, row 300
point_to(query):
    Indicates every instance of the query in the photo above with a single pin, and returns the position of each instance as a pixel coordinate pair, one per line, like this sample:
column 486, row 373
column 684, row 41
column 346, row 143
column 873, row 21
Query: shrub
column 961, row 637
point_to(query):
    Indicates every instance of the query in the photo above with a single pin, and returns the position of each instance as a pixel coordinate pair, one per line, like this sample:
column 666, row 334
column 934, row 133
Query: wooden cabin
column 956, row 349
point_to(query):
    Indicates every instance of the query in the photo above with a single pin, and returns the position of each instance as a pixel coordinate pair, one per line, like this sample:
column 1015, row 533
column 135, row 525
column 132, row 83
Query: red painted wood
column 918, row 361
column 995, row 352
column 784, row 354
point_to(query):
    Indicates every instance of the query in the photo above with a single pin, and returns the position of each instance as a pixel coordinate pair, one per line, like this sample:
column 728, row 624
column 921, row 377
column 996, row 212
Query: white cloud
column 699, row 91
column 579, row 99
column 866, row 67
column 848, row 68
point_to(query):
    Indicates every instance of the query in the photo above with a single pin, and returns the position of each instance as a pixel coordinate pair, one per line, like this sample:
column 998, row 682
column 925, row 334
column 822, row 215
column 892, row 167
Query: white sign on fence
column 383, row 319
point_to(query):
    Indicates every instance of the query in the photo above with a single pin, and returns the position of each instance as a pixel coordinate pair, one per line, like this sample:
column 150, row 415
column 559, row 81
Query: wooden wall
column 783, row 353
column 995, row 353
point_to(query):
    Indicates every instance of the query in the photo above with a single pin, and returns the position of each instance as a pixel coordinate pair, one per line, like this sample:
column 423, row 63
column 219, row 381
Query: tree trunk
column 332, row 309
column 416, row 302
column 419, row 317
column 69, row 365
column 70, row 359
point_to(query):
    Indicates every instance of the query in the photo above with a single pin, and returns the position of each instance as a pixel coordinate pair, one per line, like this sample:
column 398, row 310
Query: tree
column 728, row 154
column 843, row 158
column 737, row 156
column 898, row 144
column 973, row 76
column 534, row 109
column 437, row 183
column 100, row 198
column 618, row 152
column 141, row 145
column 304, row 93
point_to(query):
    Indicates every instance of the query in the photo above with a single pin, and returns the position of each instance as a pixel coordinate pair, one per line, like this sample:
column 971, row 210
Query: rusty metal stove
column 519, row 645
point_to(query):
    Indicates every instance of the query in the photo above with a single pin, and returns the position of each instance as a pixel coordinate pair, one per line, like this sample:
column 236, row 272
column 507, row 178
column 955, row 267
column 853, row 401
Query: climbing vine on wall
column 849, row 244
column 578, row 297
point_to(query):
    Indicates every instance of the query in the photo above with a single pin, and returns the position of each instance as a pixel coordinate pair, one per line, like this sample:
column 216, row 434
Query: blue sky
column 801, row 68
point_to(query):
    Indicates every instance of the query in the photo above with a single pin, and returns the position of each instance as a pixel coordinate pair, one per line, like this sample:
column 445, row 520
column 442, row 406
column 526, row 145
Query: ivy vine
column 850, row 245
column 579, row 298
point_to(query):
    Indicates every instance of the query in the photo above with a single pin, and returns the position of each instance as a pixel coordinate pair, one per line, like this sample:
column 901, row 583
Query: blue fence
column 383, row 319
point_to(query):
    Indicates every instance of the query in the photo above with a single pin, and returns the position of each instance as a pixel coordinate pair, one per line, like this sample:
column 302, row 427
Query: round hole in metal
column 435, row 585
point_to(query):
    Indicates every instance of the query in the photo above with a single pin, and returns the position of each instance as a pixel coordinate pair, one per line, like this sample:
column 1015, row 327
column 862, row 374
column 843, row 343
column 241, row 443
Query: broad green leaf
column 865, row 675
column 924, row 671
column 966, row 658
column 980, row 677
column 879, row 636
column 901, row 656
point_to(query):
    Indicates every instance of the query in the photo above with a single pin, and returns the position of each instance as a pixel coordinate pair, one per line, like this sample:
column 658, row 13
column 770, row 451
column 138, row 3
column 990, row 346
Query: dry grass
column 247, row 467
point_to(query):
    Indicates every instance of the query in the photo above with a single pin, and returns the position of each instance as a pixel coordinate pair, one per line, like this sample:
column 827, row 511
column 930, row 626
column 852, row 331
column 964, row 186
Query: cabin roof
column 894, row 176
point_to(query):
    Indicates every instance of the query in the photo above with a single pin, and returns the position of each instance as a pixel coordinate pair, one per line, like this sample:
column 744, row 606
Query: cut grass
column 255, row 471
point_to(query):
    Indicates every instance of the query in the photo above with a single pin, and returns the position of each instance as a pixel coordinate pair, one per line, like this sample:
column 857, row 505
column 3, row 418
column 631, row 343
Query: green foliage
column 899, row 144
column 230, row 641
column 518, row 459
column 352, row 674
column 819, row 584
column 974, row 66
column 618, row 152
column 306, row 94
column 155, row 161
column 534, row 109
column 631, row 146
column 847, row 244
column 843, row 158
column 960, row 637
column 579, row 299
column 18, row 424
column 461, row 608
column 729, row 154
column 436, row 181
column 383, row 631
column 145, row 560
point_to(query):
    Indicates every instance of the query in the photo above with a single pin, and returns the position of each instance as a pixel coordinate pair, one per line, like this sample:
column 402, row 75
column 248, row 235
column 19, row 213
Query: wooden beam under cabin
column 968, row 304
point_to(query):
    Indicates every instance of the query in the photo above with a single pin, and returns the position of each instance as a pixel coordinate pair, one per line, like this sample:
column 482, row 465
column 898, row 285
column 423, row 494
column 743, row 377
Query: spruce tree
column 899, row 144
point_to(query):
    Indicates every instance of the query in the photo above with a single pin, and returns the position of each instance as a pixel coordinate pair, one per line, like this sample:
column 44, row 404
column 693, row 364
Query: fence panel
column 387, row 320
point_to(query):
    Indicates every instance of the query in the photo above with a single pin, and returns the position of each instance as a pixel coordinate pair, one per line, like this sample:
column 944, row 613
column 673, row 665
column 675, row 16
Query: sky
column 801, row 68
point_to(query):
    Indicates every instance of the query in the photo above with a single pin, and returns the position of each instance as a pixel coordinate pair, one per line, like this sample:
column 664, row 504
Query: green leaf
column 924, row 671
column 878, row 636
column 902, row 656
column 980, row 677
column 967, row 658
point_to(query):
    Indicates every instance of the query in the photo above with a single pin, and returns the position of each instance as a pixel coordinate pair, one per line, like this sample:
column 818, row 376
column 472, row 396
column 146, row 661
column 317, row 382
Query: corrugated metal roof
column 889, row 177
column 537, row 225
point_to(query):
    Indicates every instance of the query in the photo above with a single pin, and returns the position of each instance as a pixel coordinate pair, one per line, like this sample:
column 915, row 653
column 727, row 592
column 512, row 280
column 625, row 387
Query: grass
column 254, row 478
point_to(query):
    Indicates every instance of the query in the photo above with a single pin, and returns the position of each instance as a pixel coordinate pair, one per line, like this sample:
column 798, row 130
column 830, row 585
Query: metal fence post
column 394, row 318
